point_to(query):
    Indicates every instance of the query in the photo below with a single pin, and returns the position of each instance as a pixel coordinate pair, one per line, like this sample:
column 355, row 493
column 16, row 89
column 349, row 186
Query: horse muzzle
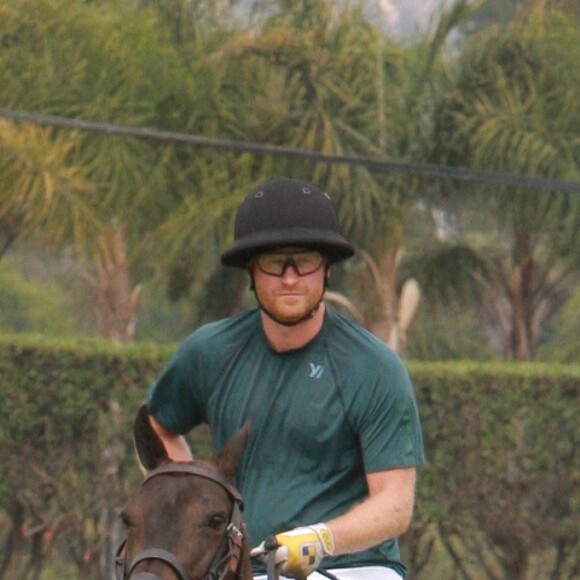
column 152, row 554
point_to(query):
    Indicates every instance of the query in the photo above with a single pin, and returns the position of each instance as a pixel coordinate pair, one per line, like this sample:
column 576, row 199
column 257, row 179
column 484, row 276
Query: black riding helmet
column 286, row 212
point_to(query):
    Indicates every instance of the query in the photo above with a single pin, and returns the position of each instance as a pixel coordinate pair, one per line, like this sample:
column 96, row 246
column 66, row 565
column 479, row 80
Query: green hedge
column 501, row 487
column 498, row 498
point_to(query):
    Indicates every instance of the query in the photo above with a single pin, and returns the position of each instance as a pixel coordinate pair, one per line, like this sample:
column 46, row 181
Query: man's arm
column 385, row 514
column 175, row 445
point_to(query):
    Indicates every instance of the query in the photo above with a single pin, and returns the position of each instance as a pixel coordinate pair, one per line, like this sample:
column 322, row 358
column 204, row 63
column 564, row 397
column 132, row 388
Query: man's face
column 289, row 282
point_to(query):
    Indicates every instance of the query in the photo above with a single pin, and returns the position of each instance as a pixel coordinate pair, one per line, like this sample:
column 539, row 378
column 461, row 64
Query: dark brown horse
column 185, row 521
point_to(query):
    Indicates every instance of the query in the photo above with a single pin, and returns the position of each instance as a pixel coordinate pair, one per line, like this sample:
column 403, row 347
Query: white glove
column 300, row 550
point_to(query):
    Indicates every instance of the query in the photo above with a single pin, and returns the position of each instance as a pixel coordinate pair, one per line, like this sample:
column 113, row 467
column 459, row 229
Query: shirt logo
column 316, row 371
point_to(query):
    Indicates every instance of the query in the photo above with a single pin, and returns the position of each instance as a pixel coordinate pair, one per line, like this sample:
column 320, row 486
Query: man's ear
column 326, row 276
column 251, row 276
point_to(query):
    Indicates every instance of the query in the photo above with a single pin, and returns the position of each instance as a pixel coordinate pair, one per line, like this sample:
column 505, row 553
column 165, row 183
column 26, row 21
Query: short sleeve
column 386, row 416
column 176, row 399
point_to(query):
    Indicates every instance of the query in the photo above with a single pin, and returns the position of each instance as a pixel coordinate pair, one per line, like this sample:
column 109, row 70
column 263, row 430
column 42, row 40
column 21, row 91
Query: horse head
column 185, row 521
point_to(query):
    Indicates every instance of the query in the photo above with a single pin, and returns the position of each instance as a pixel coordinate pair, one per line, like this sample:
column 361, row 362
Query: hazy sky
column 399, row 17
column 405, row 16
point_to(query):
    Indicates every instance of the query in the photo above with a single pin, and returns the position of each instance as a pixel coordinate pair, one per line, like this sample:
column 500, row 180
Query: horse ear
column 228, row 458
column 150, row 449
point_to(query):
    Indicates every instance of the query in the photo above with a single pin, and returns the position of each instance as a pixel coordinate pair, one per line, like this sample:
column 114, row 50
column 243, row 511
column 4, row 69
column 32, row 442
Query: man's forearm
column 385, row 514
column 175, row 445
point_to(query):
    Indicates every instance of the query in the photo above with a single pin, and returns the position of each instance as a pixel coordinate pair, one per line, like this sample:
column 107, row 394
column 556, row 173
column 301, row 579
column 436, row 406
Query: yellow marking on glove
column 302, row 549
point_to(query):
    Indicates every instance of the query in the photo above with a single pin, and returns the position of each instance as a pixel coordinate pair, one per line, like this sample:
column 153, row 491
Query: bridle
column 225, row 565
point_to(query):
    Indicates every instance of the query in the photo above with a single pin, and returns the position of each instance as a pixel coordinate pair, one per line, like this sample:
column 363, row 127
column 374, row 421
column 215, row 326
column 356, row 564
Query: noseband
column 228, row 559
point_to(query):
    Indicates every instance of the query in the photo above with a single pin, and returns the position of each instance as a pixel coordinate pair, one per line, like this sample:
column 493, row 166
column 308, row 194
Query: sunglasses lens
column 307, row 263
column 271, row 263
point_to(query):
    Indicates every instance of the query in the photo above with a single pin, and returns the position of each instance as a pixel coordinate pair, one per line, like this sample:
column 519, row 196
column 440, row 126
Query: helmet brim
column 333, row 245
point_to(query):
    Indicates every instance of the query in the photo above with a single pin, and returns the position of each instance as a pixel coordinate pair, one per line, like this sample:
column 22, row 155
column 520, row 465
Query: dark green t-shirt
column 322, row 416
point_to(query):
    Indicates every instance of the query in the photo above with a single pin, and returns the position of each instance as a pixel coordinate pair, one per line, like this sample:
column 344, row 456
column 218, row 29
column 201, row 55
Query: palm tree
column 296, row 80
column 43, row 189
column 410, row 77
column 99, row 62
column 315, row 69
column 513, row 108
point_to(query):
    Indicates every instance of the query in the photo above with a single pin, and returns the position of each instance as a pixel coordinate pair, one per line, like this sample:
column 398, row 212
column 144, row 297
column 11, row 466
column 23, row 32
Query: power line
column 372, row 163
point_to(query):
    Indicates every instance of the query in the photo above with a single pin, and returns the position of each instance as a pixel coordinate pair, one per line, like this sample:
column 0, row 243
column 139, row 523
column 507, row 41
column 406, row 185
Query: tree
column 388, row 295
column 86, row 59
column 513, row 108
column 287, row 82
column 315, row 67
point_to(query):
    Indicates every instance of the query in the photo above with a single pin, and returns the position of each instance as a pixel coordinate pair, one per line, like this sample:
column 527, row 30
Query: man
column 330, row 465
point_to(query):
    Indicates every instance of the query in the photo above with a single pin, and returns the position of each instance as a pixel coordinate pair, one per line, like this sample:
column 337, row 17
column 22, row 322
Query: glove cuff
column 325, row 536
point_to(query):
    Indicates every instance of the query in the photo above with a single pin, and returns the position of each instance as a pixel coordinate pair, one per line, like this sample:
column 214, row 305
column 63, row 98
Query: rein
column 227, row 561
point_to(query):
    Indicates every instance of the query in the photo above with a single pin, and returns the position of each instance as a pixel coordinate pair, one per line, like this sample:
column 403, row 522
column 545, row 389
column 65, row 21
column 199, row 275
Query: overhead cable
column 372, row 163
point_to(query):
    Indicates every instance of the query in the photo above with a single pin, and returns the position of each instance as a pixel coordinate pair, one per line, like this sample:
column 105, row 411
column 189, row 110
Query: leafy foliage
column 501, row 440
column 27, row 306
column 512, row 107
column 312, row 75
column 562, row 342
column 501, row 485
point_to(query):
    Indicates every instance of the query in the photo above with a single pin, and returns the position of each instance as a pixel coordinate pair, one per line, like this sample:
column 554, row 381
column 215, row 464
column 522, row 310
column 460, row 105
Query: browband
column 189, row 469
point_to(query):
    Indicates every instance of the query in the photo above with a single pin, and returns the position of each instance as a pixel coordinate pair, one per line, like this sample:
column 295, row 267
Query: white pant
column 362, row 573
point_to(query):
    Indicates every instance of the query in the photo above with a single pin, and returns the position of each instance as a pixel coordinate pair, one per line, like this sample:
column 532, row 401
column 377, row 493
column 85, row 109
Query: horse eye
column 125, row 518
column 217, row 521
